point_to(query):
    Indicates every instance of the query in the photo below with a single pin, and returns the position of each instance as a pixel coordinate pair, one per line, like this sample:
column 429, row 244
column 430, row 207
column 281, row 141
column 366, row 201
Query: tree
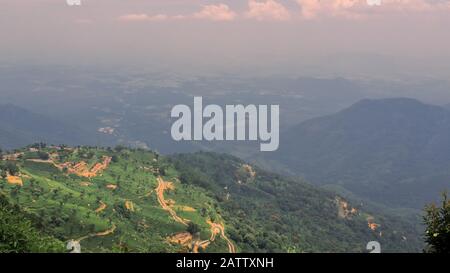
column 3, row 174
column 10, row 167
column 119, row 148
column 203, row 212
column 437, row 221
column 115, row 159
column 13, row 169
column 43, row 155
column 18, row 234
column 193, row 228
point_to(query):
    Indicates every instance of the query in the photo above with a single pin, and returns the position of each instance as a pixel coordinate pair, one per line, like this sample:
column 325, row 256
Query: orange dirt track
column 215, row 227
column 163, row 186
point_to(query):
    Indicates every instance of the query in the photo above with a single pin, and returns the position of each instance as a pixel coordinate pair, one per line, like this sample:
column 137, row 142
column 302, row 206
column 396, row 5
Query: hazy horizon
column 332, row 38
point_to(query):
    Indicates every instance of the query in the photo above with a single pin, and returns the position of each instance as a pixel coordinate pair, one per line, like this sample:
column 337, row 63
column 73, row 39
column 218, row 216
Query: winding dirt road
column 220, row 229
column 101, row 208
column 163, row 186
column 98, row 234
column 215, row 227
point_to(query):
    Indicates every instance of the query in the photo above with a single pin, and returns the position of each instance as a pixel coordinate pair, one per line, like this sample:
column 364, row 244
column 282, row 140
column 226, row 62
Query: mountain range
column 363, row 165
column 391, row 151
column 20, row 127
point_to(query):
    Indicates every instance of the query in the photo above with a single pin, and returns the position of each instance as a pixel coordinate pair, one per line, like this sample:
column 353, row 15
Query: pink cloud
column 133, row 17
column 350, row 9
column 261, row 10
column 267, row 10
column 220, row 12
column 356, row 9
column 309, row 8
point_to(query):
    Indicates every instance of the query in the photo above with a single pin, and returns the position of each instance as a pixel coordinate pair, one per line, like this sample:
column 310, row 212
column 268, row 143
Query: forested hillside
column 131, row 200
column 391, row 151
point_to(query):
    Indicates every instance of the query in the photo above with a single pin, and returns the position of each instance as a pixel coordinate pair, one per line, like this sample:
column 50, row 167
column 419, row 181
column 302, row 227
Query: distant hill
column 122, row 200
column 20, row 127
column 392, row 151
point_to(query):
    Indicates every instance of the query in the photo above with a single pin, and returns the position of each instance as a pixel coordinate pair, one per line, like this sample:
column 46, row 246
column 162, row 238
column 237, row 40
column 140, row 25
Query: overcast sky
column 285, row 36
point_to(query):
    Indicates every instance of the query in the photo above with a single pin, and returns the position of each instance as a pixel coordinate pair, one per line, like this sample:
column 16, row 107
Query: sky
column 339, row 37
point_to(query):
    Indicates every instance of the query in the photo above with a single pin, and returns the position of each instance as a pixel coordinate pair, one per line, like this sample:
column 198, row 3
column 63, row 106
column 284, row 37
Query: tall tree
column 437, row 221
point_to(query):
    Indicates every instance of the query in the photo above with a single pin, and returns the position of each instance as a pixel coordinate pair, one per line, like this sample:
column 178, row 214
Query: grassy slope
column 67, row 208
column 262, row 214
